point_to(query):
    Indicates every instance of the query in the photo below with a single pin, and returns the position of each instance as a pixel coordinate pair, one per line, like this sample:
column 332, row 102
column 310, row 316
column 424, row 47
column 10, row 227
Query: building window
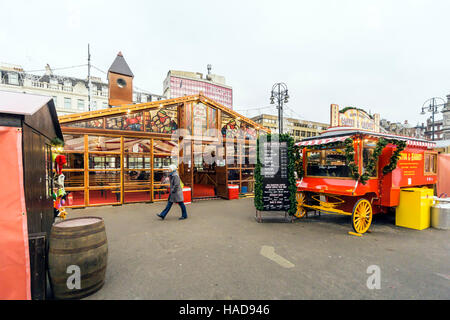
column 55, row 100
column 13, row 78
column 430, row 163
column 67, row 103
column 105, row 105
column 80, row 104
column 94, row 105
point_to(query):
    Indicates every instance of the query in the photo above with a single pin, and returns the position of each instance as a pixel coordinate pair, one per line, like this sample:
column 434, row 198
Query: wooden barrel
column 78, row 249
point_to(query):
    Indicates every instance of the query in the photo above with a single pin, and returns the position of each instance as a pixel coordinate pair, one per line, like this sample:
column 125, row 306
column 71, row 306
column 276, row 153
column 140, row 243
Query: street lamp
column 280, row 94
column 433, row 108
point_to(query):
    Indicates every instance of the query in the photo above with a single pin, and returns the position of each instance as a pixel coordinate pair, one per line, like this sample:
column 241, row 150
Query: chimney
column 48, row 70
column 208, row 76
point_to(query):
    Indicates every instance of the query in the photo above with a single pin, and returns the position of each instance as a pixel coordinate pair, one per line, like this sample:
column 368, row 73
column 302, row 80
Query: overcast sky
column 384, row 56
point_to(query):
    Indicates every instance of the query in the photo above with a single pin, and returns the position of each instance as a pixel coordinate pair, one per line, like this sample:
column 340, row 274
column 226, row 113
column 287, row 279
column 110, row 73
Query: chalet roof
column 341, row 133
column 442, row 143
column 21, row 103
column 120, row 66
column 25, row 104
column 61, row 80
column 130, row 108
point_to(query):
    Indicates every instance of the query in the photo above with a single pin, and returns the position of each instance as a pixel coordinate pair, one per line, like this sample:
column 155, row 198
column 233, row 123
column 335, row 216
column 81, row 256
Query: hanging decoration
column 370, row 168
column 59, row 194
column 350, row 158
column 57, row 146
column 401, row 145
column 60, row 161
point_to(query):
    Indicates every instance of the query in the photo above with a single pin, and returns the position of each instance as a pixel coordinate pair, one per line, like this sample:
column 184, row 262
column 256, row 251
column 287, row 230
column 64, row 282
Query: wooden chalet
column 121, row 154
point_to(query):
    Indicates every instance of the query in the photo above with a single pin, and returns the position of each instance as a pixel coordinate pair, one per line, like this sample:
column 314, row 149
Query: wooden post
column 240, row 163
column 86, row 170
column 122, row 189
column 192, row 165
column 152, row 163
column 37, row 247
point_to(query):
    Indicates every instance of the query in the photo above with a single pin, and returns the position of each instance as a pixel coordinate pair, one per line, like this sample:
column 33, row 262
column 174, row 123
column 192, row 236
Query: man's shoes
column 160, row 216
column 182, row 218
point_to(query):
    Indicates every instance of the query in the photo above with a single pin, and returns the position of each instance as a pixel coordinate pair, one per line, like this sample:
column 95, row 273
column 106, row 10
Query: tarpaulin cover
column 443, row 182
column 14, row 254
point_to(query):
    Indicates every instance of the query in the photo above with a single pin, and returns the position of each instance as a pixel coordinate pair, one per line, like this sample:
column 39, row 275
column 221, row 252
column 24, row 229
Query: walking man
column 176, row 194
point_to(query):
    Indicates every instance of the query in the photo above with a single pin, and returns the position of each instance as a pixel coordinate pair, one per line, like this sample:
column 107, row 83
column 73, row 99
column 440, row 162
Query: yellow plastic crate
column 415, row 208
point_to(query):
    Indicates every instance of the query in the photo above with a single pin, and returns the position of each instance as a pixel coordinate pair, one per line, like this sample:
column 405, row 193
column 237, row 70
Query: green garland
column 57, row 142
column 354, row 108
column 258, row 180
column 372, row 163
column 298, row 158
column 291, row 167
column 401, row 145
column 291, row 176
column 350, row 157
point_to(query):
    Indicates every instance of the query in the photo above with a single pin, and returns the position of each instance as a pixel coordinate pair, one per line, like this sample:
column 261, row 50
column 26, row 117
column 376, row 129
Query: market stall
column 359, row 173
column 121, row 155
column 28, row 124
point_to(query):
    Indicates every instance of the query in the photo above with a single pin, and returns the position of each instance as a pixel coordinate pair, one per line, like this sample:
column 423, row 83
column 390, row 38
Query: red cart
column 360, row 173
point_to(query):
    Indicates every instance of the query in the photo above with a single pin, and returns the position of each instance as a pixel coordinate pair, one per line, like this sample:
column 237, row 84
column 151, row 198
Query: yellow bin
column 414, row 209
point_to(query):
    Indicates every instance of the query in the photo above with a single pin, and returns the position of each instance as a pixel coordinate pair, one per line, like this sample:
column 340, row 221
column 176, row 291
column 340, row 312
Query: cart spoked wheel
column 301, row 211
column 362, row 216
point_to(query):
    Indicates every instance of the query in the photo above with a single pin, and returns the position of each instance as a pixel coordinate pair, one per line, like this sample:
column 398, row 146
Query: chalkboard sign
column 274, row 172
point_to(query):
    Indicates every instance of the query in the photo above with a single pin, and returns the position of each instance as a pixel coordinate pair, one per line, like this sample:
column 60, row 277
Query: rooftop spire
column 120, row 66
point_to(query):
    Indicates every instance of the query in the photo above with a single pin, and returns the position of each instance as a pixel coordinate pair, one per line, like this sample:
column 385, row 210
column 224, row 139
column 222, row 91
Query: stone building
column 299, row 129
column 184, row 83
column 70, row 94
column 446, row 120
column 403, row 129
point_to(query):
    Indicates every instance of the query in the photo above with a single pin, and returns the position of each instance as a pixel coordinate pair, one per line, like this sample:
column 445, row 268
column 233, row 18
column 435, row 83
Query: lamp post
column 280, row 93
column 433, row 108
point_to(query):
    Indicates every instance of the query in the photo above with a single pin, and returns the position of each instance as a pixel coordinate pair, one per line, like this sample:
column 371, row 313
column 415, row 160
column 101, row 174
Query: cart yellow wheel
column 301, row 211
column 362, row 216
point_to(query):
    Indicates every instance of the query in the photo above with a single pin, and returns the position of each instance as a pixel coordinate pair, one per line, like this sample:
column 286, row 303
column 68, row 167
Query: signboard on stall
column 274, row 172
column 354, row 118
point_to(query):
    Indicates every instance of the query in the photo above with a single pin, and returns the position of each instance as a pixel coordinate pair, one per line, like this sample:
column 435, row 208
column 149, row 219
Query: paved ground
column 221, row 252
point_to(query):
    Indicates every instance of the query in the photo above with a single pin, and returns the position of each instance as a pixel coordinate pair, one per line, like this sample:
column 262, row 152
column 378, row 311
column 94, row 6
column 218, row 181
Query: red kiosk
column 359, row 172
column 28, row 123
